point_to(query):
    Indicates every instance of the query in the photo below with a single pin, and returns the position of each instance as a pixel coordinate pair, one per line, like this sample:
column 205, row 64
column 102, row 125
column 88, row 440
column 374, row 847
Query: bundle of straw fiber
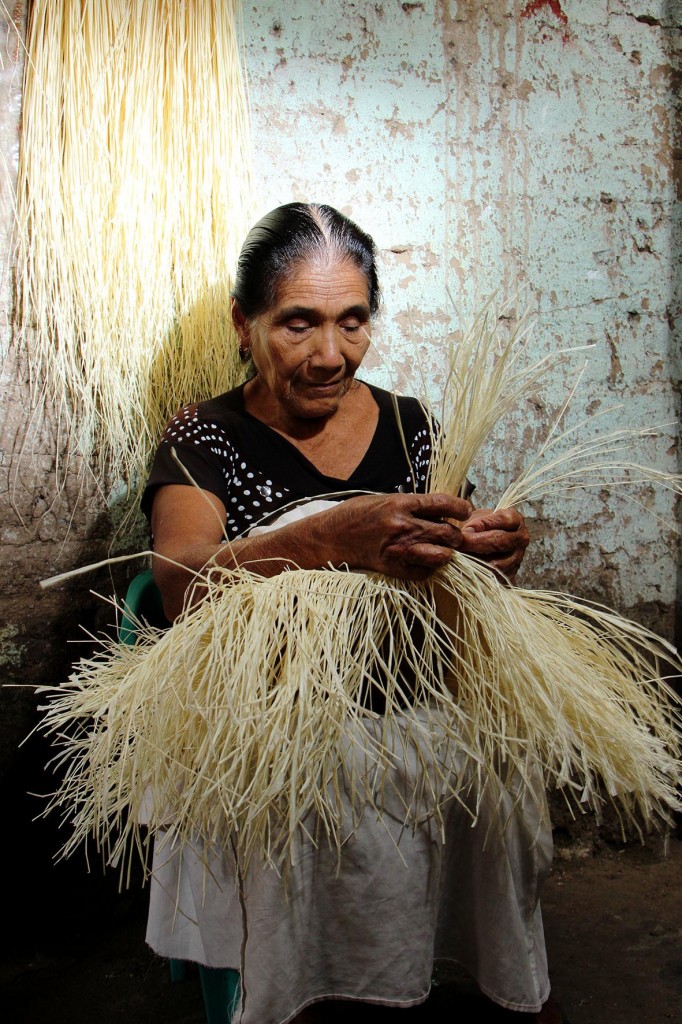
column 235, row 725
column 133, row 198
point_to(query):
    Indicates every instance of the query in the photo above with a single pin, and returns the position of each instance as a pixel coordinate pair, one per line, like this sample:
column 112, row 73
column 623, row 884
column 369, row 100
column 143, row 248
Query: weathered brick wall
column 487, row 147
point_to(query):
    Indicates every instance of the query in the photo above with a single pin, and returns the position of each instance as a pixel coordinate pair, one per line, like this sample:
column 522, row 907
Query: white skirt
column 371, row 923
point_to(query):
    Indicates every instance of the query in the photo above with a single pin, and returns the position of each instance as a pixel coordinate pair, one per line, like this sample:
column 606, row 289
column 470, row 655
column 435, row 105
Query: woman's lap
column 369, row 924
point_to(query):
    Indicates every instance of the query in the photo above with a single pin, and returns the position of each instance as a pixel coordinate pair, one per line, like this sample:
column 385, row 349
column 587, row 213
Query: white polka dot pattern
column 241, row 480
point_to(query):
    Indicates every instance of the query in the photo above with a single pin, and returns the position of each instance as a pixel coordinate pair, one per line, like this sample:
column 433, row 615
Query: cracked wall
column 524, row 149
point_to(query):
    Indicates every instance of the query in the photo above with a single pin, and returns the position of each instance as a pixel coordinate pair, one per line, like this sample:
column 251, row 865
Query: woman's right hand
column 407, row 536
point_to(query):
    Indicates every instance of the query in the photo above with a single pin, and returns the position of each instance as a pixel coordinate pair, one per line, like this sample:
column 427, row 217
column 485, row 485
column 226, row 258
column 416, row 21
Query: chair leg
column 178, row 970
column 221, row 989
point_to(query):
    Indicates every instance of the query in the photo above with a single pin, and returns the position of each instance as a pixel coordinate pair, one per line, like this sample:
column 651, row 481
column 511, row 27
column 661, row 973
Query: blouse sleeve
column 188, row 454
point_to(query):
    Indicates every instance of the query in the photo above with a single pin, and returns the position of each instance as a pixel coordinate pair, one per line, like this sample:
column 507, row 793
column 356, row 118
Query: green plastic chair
column 220, row 985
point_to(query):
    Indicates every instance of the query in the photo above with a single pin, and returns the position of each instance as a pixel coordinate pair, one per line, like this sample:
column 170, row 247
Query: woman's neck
column 334, row 444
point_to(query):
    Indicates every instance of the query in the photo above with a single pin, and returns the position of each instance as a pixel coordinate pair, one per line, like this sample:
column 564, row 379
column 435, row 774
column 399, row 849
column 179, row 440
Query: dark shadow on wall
column 54, row 903
column 68, row 903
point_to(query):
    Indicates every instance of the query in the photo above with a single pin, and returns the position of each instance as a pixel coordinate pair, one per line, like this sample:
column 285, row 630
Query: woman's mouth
column 323, row 387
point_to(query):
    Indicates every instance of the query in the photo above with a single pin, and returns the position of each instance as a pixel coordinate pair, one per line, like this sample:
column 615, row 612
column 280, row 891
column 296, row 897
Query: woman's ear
column 241, row 326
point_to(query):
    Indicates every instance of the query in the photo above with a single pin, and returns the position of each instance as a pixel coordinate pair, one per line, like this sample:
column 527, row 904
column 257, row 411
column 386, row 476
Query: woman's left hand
column 498, row 538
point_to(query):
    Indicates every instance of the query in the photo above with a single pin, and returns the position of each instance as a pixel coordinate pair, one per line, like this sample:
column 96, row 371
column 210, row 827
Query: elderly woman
column 371, row 925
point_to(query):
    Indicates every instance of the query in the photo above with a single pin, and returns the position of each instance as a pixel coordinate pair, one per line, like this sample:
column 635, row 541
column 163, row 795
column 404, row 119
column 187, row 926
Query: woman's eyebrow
column 291, row 312
column 359, row 310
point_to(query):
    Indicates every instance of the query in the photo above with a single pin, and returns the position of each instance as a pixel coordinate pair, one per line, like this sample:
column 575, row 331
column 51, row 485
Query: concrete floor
column 614, row 932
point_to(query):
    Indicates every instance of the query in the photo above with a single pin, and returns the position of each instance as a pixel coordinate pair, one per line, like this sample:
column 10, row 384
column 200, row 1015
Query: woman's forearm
column 177, row 570
column 402, row 535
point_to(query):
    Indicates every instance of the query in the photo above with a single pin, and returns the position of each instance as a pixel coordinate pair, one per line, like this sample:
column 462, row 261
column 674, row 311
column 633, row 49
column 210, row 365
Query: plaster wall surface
column 526, row 149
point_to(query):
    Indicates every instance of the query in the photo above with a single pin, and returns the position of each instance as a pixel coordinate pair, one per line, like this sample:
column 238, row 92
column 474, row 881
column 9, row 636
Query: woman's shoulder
column 230, row 402
column 412, row 412
column 215, row 413
column 222, row 408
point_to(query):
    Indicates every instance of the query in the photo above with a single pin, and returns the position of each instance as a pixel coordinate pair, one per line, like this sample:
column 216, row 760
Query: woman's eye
column 352, row 327
column 298, row 328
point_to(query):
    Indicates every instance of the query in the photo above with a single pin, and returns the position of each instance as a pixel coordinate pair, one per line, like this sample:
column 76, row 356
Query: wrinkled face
column 307, row 347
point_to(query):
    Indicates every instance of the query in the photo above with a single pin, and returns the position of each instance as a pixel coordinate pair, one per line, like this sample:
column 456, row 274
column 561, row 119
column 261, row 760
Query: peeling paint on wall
column 519, row 148
column 554, row 8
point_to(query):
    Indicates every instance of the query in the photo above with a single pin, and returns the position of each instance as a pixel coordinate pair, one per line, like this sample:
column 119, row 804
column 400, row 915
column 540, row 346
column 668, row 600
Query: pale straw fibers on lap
column 237, row 718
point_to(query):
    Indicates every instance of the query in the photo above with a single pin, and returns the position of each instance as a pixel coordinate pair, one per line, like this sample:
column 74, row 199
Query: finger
column 498, row 543
column 443, row 534
column 431, row 548
column 429, row 556
column 421, row 562
column 488, row 519
column 507, row 564
column 442, row 506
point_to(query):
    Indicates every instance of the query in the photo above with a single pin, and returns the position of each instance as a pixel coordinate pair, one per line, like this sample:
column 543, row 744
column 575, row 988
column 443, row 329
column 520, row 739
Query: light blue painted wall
column 522, row 149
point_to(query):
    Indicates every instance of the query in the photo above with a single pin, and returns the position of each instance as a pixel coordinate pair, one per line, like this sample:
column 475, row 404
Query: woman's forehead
column 314, row 283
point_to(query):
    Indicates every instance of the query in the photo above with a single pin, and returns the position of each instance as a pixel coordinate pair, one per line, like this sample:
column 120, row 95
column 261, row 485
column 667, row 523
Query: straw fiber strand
column 133, row 199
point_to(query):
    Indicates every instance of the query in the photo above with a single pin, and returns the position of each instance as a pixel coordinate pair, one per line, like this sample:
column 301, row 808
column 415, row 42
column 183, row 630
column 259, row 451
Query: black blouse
column 256, row 472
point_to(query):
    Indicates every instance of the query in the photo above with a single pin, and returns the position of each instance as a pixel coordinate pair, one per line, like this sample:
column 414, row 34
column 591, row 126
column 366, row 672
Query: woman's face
column 307, row 347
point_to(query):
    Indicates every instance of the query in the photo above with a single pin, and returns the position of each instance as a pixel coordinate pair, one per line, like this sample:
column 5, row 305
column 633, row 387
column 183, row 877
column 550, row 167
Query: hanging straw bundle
column 234, row 724
column 133, row 199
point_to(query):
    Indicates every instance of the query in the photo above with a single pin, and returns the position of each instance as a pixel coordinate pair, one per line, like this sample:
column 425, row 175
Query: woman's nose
column 327, row 347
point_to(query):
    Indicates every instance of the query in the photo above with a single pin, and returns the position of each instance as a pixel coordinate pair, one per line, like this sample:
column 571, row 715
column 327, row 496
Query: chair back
column 142, row 604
